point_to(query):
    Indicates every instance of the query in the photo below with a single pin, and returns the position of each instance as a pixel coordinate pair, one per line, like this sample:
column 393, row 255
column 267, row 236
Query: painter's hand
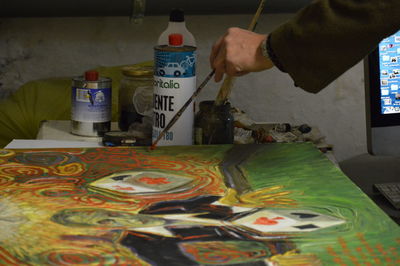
column 238, row 52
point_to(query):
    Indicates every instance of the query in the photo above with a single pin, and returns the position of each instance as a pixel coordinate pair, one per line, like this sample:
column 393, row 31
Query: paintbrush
column 224, row 91
column 227, row 84
column 183, row 108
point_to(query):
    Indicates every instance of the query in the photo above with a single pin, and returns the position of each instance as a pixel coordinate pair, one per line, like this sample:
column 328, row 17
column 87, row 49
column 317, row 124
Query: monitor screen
column 382, row 87
column 389, row 67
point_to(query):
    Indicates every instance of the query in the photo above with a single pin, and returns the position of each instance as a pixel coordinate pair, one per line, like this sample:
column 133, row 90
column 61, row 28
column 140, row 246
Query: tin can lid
column 138, row 71
column 118, row 138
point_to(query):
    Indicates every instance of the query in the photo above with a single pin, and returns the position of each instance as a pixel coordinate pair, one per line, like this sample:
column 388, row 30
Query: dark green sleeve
column 328, row 37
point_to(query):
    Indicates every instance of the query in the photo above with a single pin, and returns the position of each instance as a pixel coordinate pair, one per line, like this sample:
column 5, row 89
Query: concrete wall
column 34, row 48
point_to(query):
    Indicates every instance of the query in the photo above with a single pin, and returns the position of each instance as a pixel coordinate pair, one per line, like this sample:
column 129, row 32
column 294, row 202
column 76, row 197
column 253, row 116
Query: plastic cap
column 176, row 15
column 91, row 75
column 175, row 39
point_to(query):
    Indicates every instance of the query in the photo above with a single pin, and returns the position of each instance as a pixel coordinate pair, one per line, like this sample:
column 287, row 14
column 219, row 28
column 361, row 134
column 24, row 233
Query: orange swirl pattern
column 59, row 191
column 83, row 257
column 6, row 153
column 71, row 169
column 23, row 171
column 56, row 167
column 41, row 183
column 6, row 258
column 5, row 180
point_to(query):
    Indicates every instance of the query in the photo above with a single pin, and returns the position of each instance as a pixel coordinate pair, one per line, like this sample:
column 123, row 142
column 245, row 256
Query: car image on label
column 171, row 69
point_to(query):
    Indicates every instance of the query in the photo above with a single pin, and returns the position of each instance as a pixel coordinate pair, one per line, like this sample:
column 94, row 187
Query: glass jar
column 135, row 101
column 213, row 124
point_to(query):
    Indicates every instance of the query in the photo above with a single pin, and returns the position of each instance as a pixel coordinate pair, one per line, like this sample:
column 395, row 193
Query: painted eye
column 106, row 221
column 120, row 177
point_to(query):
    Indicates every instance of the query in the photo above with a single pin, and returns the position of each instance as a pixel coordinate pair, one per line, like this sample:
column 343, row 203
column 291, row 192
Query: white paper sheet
column 42, row 143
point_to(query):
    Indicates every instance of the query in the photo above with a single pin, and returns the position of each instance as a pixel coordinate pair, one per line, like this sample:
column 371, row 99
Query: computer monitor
column 382, row 87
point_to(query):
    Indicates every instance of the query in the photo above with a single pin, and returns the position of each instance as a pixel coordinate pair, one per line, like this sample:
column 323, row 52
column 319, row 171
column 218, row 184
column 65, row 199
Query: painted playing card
column 265, row 221
column 287, row 221
column 309, row 220
column 142, row 182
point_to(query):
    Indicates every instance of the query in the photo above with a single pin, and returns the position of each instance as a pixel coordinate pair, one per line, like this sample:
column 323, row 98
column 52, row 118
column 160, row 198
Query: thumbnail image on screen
column 389, row 65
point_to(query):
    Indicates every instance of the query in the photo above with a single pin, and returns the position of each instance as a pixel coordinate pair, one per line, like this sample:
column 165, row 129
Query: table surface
column 61, row 130
column 365, row 170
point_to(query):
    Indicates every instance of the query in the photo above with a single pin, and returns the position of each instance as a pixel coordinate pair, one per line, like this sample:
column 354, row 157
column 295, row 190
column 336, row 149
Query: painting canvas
column 271, row 204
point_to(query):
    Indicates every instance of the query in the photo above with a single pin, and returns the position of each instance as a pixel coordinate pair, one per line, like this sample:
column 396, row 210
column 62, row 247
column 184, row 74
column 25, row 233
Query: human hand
column 237, row 53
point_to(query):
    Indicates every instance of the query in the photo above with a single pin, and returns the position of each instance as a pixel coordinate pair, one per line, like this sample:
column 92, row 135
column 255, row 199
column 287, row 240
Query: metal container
column 91, row 105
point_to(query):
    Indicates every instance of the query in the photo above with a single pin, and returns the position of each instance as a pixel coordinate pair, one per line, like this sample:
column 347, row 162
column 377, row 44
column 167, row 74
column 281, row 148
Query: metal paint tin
column 174, row 84
column 91, row 105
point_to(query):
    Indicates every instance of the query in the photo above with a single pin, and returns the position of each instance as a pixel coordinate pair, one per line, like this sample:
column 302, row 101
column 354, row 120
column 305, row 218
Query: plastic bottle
column 177, row 24
column 174, row 83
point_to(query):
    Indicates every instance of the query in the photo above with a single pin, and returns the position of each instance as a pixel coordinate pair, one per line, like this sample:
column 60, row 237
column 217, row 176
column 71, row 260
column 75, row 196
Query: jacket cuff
column 272, row 55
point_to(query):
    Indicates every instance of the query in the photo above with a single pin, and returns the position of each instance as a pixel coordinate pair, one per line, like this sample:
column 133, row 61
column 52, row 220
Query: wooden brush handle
column 227, row 84
column 224, row 91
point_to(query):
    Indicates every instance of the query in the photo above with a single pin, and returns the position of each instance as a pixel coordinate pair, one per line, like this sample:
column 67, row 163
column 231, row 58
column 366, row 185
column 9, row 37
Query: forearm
column 329, row 36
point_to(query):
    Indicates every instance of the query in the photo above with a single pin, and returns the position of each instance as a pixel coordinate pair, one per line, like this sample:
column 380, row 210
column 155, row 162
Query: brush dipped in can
column 91, row 105
column 174, row 84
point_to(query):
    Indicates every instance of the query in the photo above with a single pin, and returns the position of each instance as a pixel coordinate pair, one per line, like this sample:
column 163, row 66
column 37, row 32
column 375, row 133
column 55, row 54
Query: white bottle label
column 91, row 105
column 166, row 103
column 174, row 84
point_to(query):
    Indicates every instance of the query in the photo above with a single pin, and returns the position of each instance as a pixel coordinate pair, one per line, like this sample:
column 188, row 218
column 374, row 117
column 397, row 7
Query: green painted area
column 316, row 184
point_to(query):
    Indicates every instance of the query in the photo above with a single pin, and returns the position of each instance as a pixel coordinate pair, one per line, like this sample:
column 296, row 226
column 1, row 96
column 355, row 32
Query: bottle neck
column 177, row 24
column 177, row 27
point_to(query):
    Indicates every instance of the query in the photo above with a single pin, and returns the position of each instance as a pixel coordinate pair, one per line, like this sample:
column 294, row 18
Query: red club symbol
column 154, row 180
column 267, row 221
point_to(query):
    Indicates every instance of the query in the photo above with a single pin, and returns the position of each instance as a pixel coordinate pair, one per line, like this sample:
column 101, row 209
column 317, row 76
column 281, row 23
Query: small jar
column 135, row 96
column 213, row 124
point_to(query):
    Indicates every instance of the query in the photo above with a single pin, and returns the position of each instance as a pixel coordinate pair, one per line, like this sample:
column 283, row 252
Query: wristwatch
column 268, row 53
column 264, row 49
